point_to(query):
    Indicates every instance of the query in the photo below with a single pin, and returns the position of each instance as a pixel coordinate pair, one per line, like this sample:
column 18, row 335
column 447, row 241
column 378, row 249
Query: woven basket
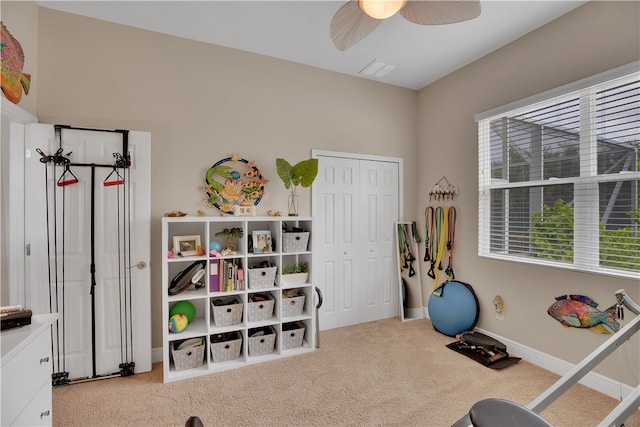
column 226, row 346
column 292, row 335
column 260, row 310
column 295, row 242
column 260, row 278
column 292, row 306
column 187, row 358
column 262, row 344
column 226, row 311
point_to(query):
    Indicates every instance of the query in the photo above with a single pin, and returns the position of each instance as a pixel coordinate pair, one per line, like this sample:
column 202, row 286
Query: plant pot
column 293, row 204
column 294, row 279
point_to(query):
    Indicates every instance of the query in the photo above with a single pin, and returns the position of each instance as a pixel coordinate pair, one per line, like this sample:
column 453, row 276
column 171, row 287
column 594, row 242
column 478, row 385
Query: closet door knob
column 44, row 360
column 140, row 265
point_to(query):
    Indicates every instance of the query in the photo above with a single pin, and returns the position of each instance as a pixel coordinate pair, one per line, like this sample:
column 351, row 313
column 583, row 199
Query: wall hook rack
column 443, row 190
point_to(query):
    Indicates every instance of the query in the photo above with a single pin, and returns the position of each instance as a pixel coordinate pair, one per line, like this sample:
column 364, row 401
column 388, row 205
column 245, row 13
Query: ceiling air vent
column 377, row 69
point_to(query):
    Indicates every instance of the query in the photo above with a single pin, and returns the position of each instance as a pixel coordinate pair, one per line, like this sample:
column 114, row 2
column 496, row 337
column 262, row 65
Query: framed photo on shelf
column 262, row 242
column 187, row 245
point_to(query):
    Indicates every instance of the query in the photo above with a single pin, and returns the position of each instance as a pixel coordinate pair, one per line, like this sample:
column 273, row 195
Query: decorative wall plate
column 234, row 181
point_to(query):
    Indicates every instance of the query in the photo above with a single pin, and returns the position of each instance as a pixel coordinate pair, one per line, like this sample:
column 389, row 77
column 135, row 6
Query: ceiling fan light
column 381, row 9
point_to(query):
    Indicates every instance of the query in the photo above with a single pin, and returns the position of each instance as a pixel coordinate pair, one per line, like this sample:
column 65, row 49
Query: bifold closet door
column 335, row 192
column 355, row 207
column 378, row 283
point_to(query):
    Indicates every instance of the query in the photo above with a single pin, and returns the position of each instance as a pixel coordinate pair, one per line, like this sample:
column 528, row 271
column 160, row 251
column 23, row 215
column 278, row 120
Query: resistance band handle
column 110, row 183
column 69, row 182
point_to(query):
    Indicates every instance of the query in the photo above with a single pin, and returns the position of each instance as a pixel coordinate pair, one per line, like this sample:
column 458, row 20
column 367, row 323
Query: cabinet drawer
column 24, row 375
column 39, row 411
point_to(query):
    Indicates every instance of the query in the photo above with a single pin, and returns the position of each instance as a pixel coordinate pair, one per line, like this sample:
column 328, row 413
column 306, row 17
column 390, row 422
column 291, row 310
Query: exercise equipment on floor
column 489, row 348
column 491, row 412
column 483, row 349
column 56, row 250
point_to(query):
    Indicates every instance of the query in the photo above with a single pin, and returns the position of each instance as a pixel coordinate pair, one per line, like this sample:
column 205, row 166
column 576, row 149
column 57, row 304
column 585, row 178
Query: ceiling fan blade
column 440, row 12
column 349, row 25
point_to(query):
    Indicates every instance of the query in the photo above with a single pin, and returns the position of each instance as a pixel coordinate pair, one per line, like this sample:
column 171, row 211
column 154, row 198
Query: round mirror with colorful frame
column 234, row 181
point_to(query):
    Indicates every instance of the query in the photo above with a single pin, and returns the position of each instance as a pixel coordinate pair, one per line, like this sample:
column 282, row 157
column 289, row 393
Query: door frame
column 366, row 157
column 12, row 249
column 356, row 156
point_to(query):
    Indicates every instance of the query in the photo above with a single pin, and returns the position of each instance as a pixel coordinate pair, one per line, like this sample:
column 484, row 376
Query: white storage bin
column 263, row 342
column 294, row 279
column 259, row 310
column 226, row 346
column 187, row 358
column 226, row 311
column 292, row 335
column 295, row 242
column 292, row 306
column 260, row 278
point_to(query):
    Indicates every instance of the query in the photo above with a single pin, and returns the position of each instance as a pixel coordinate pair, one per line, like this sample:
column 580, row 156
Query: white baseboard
column 611, row 387
column 413, row 313
column 156, row 355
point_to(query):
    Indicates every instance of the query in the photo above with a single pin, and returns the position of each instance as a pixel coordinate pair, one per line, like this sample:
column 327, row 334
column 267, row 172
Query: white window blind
column 559, row 178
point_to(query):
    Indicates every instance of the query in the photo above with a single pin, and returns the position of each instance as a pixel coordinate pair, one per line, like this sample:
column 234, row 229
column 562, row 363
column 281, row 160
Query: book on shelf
column 214, row 275
column 225, row 276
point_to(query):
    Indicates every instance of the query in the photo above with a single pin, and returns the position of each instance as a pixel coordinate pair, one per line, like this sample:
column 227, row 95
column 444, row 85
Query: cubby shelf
column 284, row 323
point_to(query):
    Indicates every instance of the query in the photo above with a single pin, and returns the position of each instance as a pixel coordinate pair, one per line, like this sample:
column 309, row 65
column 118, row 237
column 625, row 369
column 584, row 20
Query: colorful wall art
column 13, row 80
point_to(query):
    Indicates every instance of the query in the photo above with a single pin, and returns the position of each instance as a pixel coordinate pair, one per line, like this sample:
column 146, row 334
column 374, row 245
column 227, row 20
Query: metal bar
column 93, row 165
column 624, row 410
column 584, row 367
column 93, row 272
column 123, row 132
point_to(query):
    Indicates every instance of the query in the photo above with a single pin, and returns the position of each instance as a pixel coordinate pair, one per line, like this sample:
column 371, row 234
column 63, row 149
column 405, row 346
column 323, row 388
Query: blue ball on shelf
column 215, row 246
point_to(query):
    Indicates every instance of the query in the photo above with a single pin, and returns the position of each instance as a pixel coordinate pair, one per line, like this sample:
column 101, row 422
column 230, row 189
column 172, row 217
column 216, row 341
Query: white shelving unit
column 203, row 325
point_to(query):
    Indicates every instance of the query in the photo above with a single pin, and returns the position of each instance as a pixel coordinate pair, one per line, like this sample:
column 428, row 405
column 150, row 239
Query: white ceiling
column 298, row 31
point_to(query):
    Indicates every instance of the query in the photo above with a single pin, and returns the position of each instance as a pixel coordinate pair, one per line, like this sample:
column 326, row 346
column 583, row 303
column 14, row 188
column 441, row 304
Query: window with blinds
column 559, row 179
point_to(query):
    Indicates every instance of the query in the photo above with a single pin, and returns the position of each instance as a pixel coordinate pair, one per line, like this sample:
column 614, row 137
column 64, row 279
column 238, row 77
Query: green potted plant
column 230, row 234
column 294, row 274
column 302, row 173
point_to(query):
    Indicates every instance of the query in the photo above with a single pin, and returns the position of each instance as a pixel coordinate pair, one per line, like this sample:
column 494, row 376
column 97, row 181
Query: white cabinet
column 26, row 373
column 244, row 313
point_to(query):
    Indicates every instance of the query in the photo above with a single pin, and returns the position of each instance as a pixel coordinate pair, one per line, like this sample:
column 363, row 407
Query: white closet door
column 335, row 191
column 355, row 205
column 379, row 197
column 89, row 147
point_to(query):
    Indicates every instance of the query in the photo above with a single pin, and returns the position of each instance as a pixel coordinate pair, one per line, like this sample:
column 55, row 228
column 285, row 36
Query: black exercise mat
column 500, row 364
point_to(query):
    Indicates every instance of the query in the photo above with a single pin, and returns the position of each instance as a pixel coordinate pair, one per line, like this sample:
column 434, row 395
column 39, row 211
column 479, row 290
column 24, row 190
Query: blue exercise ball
column 453, row 308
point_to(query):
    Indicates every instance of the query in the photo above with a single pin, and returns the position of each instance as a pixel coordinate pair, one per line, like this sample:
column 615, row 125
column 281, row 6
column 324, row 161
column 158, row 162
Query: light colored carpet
column 379, row 373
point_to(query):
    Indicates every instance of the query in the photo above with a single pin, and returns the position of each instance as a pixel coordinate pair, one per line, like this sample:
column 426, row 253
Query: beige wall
column 202, row 103
column 594, row 38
